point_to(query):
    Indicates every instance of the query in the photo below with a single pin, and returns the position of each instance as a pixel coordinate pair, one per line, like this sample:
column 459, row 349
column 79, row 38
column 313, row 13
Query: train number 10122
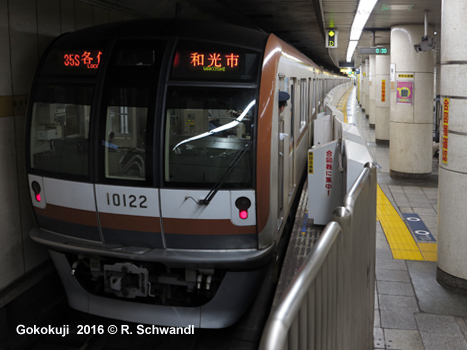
column 123, row 200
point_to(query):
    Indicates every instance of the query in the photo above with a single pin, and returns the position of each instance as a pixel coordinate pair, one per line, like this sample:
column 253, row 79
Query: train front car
column 142, row 170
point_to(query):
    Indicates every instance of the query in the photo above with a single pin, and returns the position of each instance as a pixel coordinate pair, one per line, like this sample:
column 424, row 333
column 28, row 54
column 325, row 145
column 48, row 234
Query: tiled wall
column 26, row 28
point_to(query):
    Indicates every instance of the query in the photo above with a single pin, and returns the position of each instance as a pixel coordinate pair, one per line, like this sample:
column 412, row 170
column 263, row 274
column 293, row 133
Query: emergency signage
column 445, row 130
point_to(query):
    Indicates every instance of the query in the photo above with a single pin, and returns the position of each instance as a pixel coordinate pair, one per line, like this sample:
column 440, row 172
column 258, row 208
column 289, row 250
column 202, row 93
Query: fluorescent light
column 350, row 49
column 358, row 25
column 365, row 7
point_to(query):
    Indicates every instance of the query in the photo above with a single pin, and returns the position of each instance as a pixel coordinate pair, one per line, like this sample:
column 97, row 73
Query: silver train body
column 160, row 171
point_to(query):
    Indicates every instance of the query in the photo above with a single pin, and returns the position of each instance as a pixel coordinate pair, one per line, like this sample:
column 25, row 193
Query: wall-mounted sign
column 404, row 92
column 392, row 75
column 445, row 130
column 383, row 90
column 331, row 38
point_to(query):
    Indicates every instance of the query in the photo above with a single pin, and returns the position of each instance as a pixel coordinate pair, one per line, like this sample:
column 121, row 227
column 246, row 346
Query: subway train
column 160, row 170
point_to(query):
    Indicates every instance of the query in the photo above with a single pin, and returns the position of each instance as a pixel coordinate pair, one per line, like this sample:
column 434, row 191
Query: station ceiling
column 302, row 23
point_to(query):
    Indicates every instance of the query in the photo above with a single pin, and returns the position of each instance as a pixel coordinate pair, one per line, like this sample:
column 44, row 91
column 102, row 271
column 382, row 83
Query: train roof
column 171, row 28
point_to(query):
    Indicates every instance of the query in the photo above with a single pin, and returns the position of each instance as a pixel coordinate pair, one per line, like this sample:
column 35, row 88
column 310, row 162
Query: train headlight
column 243, row 204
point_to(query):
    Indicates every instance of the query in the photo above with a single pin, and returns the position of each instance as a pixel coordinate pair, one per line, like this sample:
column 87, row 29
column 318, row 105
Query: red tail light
column 243, row 204
column 37, row 190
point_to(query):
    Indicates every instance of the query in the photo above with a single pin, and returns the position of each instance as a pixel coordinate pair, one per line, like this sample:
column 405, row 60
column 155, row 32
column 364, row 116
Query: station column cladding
column 382, row 99
column 366, row 85
column 452, row 187
column 410, row 155
column 372, row 90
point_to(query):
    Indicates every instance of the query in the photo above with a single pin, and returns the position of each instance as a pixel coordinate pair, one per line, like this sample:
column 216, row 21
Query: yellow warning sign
column 406, row 76
column 310, row 163
column 445, row 129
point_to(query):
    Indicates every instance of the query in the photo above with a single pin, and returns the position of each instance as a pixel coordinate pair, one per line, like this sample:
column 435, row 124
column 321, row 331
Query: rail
column 330, row 302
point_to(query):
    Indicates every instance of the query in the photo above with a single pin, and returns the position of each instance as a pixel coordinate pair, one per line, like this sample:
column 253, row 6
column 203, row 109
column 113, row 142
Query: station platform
column 412, row 311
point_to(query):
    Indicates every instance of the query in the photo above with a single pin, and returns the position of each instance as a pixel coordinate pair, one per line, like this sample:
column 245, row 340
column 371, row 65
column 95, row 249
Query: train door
column 281, row 154
column 310, row 111
column 291, row 153
column 127, row 200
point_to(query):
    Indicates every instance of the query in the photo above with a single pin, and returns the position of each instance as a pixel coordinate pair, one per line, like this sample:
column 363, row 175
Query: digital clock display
column 374, row 51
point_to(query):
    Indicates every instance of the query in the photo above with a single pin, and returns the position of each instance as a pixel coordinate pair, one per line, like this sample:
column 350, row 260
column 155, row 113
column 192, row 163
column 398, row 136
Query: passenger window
column 303, row 102
column 60, row 129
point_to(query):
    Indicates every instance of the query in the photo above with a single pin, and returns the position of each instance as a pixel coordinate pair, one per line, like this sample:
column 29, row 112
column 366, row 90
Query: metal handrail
column 279, row 323
column 335, row 283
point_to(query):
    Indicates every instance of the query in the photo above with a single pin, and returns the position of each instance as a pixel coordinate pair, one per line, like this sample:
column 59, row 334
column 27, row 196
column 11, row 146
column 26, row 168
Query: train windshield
column 60, row 128
column 206, row 130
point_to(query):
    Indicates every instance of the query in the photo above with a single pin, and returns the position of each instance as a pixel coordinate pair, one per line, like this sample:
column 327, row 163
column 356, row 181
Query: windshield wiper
column 238, row 157
column 225, row 127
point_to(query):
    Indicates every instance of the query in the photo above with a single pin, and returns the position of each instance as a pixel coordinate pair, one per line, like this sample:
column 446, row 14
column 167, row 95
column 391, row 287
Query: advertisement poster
column 404, row 92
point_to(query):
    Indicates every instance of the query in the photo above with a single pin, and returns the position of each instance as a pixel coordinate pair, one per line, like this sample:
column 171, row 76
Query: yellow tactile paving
column 342, row 104
column 400, row 239
column 429, row 251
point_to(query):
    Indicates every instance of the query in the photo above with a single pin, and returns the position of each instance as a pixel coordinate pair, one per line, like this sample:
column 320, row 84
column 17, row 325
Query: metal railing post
column 330, row 302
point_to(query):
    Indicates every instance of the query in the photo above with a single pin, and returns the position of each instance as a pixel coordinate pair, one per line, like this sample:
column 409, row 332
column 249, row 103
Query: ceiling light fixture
column 365, row 7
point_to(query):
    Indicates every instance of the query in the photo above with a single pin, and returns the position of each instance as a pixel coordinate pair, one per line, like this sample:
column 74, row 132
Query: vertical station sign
column 392, row 75
column 383, row 90
column 445, row 130
column 331, row 38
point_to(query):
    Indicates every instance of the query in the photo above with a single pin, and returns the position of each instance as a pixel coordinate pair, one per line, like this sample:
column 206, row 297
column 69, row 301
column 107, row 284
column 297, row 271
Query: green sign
column 374, row 50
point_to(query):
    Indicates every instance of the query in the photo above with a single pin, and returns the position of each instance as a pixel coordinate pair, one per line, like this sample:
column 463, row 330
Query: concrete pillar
column 452, row 204
column 372, row 90
column 411, row 142
column 359, row 84
column 365, row 91
column 382, row 105
column 362, row 86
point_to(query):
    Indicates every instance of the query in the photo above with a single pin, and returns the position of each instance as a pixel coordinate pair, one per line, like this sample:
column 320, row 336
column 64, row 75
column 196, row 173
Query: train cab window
column 208, row 137
column 59, row 138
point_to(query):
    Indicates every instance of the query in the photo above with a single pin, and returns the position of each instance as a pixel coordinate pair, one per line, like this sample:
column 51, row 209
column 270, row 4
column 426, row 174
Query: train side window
column 59, row 140
column 303, row 102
